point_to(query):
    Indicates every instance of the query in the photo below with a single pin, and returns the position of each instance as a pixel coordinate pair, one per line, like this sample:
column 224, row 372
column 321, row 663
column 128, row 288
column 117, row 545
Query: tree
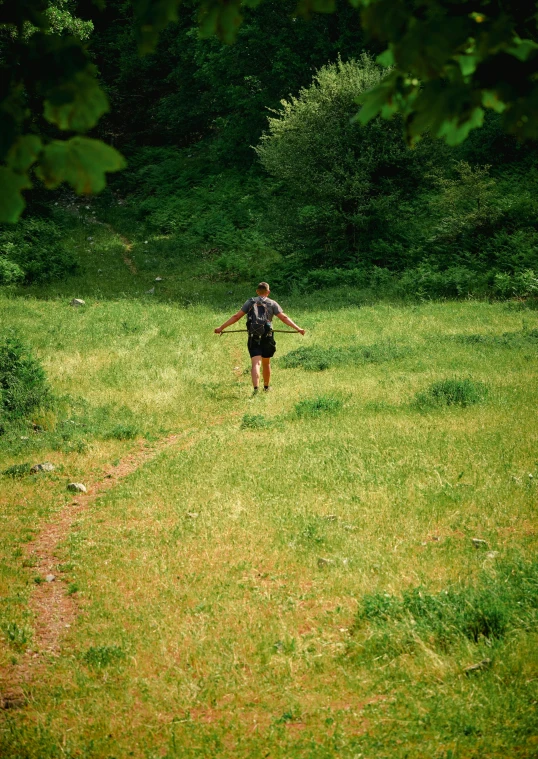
column 339, row 179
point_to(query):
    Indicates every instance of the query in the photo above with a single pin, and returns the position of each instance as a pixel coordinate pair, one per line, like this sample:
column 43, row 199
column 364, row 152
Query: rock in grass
column 479, row 667
column 150, row 291
column 50, row 578
column 330, row 517
column 77, row 302
column 325, row 562
column 192, row 514
column 77, row 487
column 46, row 466
column 479, row 543
column 158, row 279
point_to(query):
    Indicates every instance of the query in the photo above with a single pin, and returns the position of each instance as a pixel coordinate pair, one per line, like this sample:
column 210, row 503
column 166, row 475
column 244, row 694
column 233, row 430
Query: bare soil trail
column 53, row 608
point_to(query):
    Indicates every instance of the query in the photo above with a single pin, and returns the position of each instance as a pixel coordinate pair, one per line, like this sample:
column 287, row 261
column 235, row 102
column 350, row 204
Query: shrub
column 451, row 392
column 23, row 386
column 488, row 610
column 519, row 285
column 317, row 358
column 10, row 273
column 323, row 404
column 17, row 470
column 122, row 432
column 34, row 249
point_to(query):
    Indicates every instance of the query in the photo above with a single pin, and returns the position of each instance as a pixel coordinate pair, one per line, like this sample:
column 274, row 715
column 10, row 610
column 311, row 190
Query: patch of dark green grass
column 451, row 392
column 17, row 635
column 485, row 612
column 123, row 432
column 255, row 422
column 17, row 470
column 314, row 407
column 518, row 339
column 317, row 358
column 103, row 656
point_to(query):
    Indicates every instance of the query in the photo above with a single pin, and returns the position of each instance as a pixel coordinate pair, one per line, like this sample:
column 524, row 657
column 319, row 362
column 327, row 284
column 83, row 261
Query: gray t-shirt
column 273, row 307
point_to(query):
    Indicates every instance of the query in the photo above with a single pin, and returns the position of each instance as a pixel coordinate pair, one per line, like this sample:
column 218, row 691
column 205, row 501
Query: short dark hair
column 263, row 286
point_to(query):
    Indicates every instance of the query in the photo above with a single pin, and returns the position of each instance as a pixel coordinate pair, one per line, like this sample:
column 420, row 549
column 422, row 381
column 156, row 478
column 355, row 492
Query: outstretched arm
column 232, row 320
column 290, row 323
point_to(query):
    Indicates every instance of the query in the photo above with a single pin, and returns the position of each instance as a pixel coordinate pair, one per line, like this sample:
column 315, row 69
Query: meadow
column 345, row 566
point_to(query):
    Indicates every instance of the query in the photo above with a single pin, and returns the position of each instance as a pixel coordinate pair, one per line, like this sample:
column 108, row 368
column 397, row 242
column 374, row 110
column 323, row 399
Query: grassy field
column 295, row 574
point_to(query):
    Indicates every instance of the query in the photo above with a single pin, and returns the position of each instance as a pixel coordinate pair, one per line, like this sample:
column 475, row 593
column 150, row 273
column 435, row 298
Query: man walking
column 261, row 342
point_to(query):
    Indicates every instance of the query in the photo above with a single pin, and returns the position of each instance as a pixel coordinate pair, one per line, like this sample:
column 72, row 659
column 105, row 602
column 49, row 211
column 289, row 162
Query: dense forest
column 247, row 158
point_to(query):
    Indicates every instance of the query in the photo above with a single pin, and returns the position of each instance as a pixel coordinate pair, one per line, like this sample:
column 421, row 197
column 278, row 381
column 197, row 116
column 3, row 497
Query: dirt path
column 54, row 610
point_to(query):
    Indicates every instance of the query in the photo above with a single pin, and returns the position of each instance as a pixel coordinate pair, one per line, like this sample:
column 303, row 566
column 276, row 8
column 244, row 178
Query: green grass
column 298, row 584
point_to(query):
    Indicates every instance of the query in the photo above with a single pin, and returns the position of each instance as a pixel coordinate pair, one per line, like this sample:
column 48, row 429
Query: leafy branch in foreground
column 49, row 76
column 452, row 60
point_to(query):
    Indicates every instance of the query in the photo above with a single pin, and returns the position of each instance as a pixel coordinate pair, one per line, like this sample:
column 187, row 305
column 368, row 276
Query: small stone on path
column 77, row 487
column 46, row 466
column 50, row 578
column 77, row 302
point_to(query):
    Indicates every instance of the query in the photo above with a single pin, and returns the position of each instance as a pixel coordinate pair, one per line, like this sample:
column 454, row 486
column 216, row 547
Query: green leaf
column 24, row 152
column 455, row 131
column 220, row 19
column 81, row 161
column 468, row 63
column 11, row 200
column 523, row 48
column 152, row 16
column 492, row 100
column 76, row 104
column 372, row 103
column 386, row 58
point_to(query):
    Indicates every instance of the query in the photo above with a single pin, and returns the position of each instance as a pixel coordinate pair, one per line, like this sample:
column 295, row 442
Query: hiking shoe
column 267, row 389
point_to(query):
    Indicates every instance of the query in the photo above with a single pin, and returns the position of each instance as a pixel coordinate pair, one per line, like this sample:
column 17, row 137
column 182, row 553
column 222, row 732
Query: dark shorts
column 264, row 347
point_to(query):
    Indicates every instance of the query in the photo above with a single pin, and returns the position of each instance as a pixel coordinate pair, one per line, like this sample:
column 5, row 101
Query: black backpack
column 259, row 318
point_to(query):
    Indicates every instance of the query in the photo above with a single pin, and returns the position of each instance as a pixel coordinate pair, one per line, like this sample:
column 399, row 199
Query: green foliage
column 48, row 72
column 123, row 432
column 17, row 635
column 520, row 285
column 318, row 358
column 34, row 250
column 314, row 407
column 103, row 656
column 497, row 604
column 17, row 470
column 255, row 422
column 339, row 178
column 452, row 392
column 23, row 385
column 450, row 64
column 10, row 272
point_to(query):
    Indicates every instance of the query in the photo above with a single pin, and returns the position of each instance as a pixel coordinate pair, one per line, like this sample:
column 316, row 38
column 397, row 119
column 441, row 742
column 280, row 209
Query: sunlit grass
column 221, row 583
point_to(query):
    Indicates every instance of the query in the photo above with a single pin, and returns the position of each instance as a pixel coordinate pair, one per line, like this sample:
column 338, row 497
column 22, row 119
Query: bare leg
column 255, row 371
column 266, row 366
